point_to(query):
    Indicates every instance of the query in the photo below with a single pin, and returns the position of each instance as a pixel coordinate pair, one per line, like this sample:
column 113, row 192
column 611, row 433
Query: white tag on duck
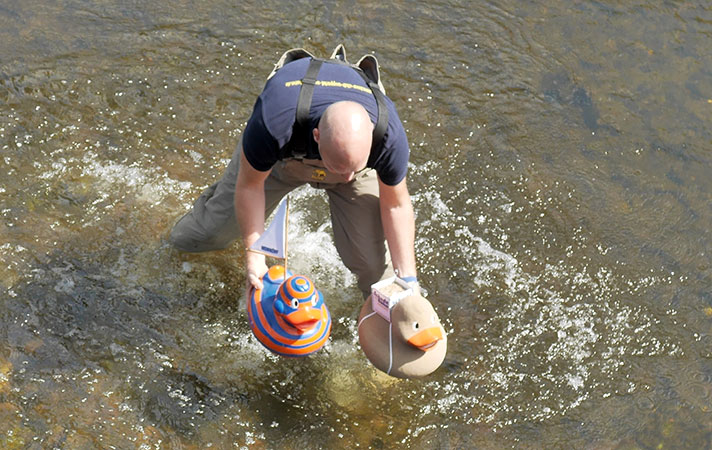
column 387, row 293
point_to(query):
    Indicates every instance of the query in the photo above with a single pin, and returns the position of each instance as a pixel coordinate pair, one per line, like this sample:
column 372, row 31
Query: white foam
column 561, row 333
column 112, row 178
column 312, row 251
column 151, row 185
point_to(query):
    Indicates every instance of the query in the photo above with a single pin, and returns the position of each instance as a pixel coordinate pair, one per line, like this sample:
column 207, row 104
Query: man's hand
column 256, row 268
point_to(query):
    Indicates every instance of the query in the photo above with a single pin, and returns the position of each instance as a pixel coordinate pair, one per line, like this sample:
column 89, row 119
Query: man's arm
column 250, row 213
column 399, row 226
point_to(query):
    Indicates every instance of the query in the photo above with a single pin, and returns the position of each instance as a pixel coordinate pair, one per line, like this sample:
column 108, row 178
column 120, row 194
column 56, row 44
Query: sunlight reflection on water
column 561, row 188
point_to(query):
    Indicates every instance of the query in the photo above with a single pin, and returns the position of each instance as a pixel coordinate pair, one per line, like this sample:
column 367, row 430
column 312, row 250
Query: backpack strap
column 368, row 66
column 301, row 130
column 339, row 53
column 379, row 131
column 289, row 56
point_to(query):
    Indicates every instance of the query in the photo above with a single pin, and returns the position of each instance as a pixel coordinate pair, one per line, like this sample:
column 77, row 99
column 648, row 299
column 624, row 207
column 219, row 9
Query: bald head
column 344, row 136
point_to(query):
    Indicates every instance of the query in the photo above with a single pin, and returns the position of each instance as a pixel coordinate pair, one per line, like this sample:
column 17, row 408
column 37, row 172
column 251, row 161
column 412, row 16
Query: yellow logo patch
column 318, row 174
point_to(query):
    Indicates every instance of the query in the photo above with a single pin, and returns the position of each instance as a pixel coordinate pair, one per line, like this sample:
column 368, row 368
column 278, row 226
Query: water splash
column 550, row 340
column 311, row 244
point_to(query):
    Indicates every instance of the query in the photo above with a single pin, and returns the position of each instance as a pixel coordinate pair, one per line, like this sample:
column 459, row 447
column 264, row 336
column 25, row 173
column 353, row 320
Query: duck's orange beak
column 304, row 318
column 426, row 339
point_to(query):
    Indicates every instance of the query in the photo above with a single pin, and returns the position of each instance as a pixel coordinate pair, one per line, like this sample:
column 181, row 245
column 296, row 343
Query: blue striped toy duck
column 288, row 315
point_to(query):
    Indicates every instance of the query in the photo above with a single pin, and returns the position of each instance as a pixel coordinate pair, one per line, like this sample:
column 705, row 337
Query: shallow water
column 560, row 175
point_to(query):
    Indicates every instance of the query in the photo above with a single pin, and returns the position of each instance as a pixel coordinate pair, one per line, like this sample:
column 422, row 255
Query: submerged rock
column 558, row 87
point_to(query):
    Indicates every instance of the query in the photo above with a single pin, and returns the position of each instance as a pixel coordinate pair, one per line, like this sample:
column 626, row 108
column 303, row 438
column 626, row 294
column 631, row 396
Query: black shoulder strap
column 306, row 92
column 379, row 131
column 301, row 129
column 368, row 66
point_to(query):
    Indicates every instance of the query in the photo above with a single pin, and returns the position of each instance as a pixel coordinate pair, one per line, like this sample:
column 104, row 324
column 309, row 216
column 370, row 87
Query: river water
column 560, row 169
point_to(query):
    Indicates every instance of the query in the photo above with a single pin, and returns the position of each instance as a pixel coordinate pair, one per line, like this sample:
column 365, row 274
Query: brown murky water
column 561, row 160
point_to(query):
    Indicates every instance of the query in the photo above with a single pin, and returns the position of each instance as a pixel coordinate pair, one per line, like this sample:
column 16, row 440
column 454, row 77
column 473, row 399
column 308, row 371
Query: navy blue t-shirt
column 269, row 128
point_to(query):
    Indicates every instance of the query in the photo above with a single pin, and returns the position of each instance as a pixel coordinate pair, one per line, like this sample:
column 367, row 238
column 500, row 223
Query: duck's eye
column 416, row 325
column 314, row 301
column 295, row 303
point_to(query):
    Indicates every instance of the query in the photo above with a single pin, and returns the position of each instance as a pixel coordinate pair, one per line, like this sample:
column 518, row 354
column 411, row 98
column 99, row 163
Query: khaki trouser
column 354, row 208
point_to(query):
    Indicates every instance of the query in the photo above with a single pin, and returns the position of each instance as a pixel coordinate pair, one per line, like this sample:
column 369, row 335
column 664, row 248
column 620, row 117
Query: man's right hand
column 256, row 268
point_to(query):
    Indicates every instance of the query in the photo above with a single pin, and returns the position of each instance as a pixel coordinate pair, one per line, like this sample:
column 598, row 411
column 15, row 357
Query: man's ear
column 316, row 135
